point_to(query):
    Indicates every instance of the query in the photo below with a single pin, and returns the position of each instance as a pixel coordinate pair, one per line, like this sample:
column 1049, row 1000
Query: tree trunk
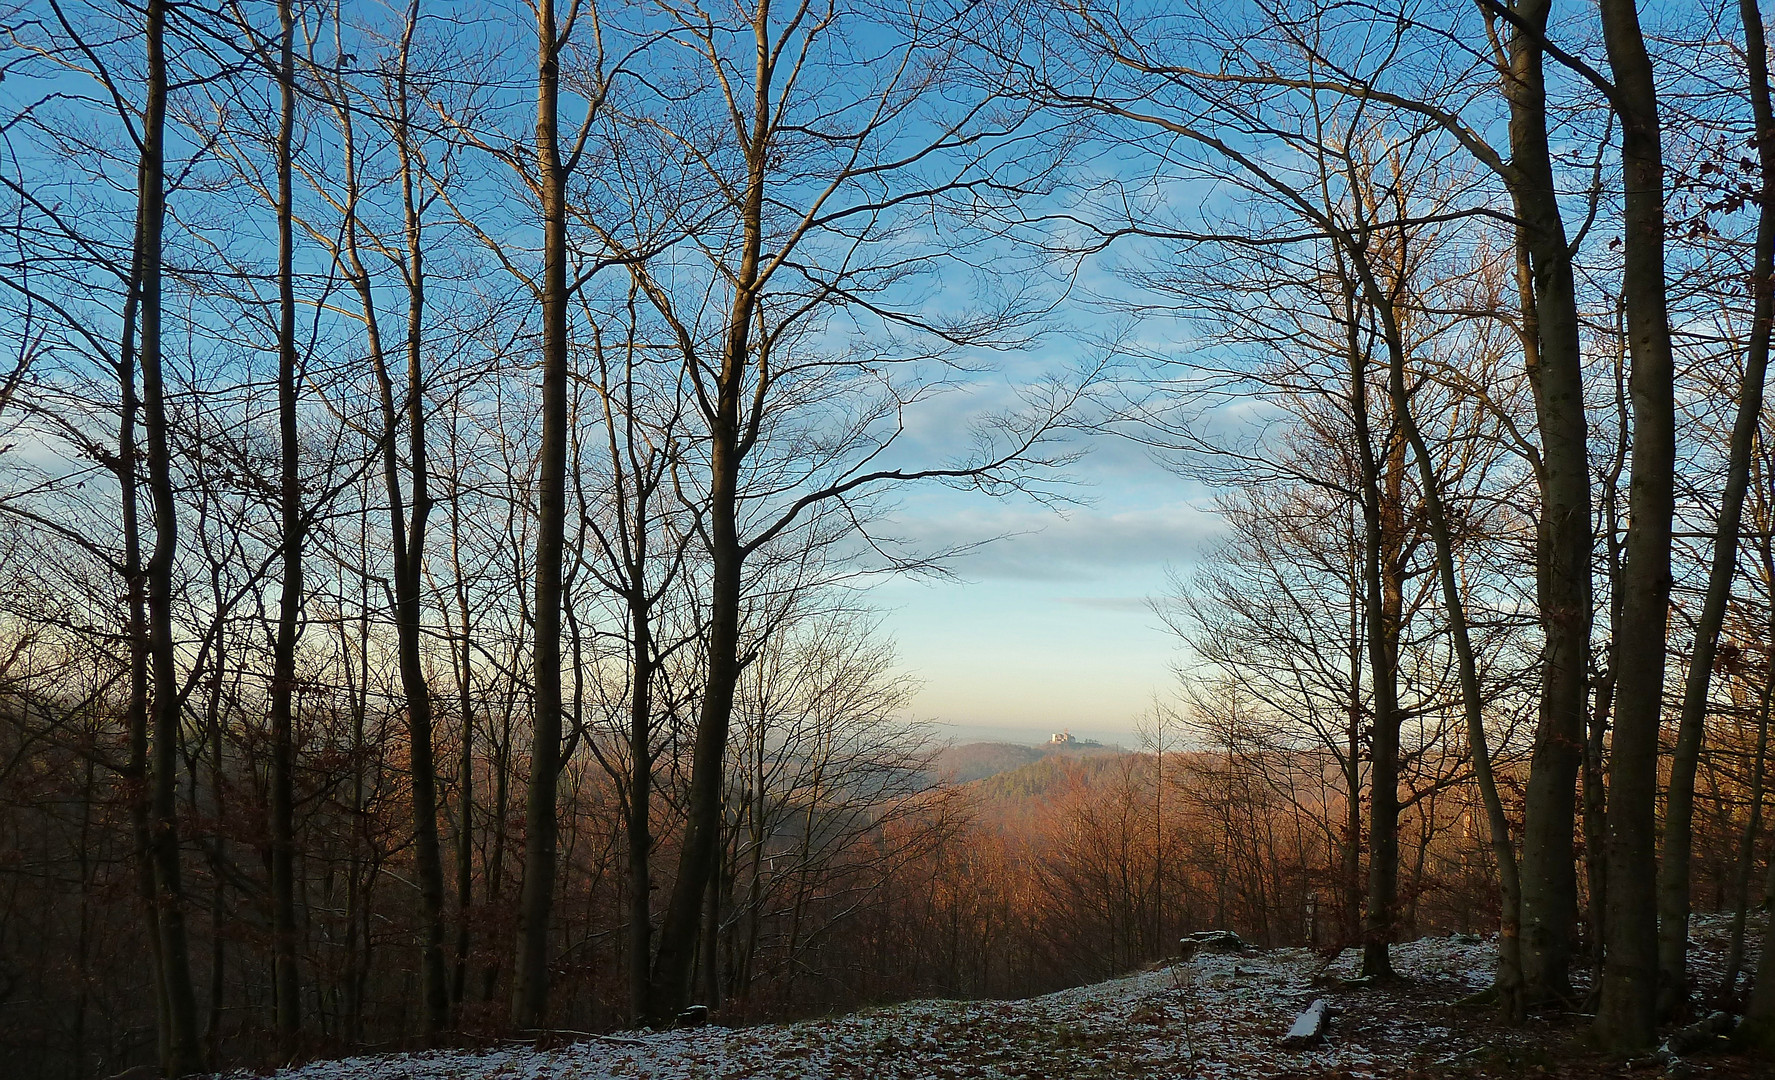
column 670, row 992
column 640, row 838
column 182, row 1050
column 1673, row 880
column 212, row 1028
column 1351, row 869
column 1563, row 540
column 1387, row 593
column 463, row 661
column 502, row 780
column 409, row 571
column 287, row 980
column 702, row 831
column 356, row 900
column 1383, row 794
column 1626, row 1018
column 710, row 939
column 1756, row 1031
column 1596, row 816
column 1509, row 975
column 530, row 985
column 465, row 782
column 1747, row 845
column 407, row 530
column 1596, row 824
column 136, row 764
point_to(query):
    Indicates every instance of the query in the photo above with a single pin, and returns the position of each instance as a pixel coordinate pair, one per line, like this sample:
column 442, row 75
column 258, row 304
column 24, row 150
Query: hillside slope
column 1216, row 1016
column 967, row 762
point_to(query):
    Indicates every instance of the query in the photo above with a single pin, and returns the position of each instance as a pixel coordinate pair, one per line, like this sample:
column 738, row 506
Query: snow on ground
column 1218, row 1017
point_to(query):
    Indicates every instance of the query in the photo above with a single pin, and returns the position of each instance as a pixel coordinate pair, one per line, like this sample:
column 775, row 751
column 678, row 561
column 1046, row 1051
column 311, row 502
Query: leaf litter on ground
column 1216, row 1016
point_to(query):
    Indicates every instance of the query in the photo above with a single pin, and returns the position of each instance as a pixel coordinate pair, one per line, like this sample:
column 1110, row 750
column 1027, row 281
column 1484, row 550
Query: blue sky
column 1049, row 627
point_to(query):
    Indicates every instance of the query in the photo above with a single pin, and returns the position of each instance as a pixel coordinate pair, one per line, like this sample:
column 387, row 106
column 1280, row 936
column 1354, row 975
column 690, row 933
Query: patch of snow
column 1218, row 1016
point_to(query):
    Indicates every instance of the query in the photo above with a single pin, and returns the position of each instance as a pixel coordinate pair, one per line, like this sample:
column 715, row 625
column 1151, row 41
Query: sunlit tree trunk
column 1626, row 1018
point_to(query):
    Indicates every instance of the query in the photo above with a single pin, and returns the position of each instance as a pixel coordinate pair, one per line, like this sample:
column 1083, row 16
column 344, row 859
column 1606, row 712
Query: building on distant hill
column 1068, row 739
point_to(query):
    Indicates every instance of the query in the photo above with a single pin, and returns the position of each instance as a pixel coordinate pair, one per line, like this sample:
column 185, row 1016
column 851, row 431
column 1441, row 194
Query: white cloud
column 1081, row 545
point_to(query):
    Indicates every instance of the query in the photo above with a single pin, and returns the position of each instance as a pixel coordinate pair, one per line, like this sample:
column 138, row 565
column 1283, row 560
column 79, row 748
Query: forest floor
column 1217, row 1017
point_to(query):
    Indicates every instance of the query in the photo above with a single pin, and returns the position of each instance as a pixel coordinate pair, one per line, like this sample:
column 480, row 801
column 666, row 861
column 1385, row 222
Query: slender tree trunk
column 183, row 1055
column 1352, row 840
column 1382, row 644
column 140, row 649
column 408, row 558
column 1563, row 540
column 640, row 836
column 355, row 860
column 502, row 766
column 1509, row 975
column 212, row 1029
column 1756, row 1031
column 409, row 571
column 1596, row 818
column 288, row 979
column 530, row 986
column 636, row 479
column 1626, row 1018
column 670, row 992
column 360, row 863
column 407, row 526
column 463, row 660
column 1673, row 880
column 1747, row 844
column 465, row 844
column 702, row 833
column 1596, row 825
column 1381, row 920
column 83, row 932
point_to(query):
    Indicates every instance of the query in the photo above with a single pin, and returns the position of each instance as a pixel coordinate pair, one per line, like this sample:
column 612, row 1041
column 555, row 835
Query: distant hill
column 1048, row 775
column 978, row 761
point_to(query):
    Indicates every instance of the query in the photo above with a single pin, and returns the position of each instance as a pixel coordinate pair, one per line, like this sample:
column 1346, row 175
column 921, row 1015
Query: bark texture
column 1563, row 536
column 531, row 977
column 182, row 1054
column 1626, row 1017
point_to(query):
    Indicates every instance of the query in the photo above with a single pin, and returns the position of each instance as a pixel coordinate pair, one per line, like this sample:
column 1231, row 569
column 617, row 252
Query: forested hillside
column 960, row 764
column 458, row 462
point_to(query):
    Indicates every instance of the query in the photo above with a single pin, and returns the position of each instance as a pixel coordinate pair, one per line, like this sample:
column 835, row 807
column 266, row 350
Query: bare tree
column 283, row 679
column 530, row 989
column 1626, row 1018
column 409, row 511
column 1674, row 869
column 793, row 147
column 635, row 541
column 180, row 1054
